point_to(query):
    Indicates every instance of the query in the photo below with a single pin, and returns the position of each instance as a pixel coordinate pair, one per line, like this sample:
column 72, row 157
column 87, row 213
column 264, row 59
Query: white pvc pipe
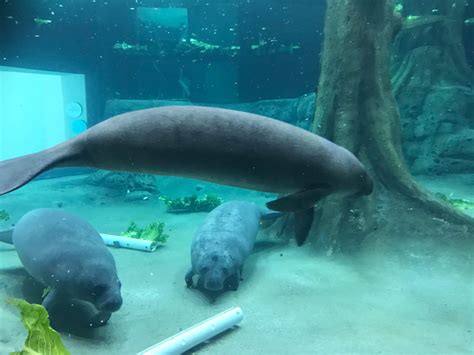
column 197, row 334
column 131, row 243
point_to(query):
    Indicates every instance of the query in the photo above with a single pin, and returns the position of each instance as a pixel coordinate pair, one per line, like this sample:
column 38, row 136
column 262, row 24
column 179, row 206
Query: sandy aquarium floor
column 294, row 300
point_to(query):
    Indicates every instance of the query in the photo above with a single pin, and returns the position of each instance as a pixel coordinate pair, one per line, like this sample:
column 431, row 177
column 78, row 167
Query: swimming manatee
column 223, row 242
column 212, row 144
column 66, row 254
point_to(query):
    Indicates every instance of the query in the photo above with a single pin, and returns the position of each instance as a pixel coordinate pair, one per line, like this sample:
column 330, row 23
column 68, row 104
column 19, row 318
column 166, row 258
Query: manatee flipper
column 16, row 172
column 189, row 278
column 303, row 222
column 6, row 236
column 300, row 201
column 99, row 319
column 52, row 298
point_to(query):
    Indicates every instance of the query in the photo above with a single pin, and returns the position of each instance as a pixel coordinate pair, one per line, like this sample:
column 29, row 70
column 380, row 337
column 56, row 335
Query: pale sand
column 294, row 300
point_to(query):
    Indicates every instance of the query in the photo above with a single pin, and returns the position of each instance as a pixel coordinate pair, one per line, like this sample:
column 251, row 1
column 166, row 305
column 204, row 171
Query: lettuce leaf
column 155, row 232
column 42, row 339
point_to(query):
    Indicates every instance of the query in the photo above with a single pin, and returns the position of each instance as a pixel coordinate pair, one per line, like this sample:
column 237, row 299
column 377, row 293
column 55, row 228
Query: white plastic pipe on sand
column 131, row 243
column 197, row 334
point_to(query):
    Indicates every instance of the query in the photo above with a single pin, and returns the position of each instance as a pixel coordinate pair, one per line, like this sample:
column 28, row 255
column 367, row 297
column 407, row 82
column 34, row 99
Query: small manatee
column 223, row 242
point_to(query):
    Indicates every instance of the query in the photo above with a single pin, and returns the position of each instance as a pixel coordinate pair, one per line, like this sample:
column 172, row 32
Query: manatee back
column 230, row 228
column 55, row 246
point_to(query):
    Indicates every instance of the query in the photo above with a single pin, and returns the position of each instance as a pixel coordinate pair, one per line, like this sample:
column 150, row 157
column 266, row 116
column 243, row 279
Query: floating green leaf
column 42, row 339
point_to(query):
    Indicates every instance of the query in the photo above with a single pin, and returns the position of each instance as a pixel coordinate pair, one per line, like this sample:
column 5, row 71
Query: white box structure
column 39, row 109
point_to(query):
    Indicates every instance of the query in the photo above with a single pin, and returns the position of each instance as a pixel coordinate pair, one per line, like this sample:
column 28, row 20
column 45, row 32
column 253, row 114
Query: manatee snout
column 111, row 304
column 214, row 281
column 108, row 298
column 365, row 184
column 215, row 270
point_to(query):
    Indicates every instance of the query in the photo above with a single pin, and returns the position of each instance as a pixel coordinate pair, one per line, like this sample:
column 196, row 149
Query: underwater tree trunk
column 433, row 85
column 356, row 109
column 431, row 38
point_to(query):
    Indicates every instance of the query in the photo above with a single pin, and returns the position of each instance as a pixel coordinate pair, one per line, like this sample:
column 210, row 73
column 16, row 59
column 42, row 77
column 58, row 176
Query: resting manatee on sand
column 217, row 145
column 65, row 253
column 223, row 242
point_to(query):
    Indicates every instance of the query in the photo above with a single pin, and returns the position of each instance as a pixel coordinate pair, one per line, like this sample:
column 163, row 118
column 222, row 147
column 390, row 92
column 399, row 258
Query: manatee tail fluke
column 16, row 172
column 6, row 236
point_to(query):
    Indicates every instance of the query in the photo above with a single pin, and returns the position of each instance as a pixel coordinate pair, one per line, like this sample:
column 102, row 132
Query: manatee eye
column 98, row 290
column 204, row 270
column 225, row 271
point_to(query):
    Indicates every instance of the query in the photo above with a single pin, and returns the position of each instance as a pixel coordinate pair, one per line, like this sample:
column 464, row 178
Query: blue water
column 65, row 66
